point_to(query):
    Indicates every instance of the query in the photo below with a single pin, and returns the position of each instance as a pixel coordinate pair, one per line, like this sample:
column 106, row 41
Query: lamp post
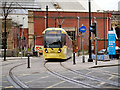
column 79, row 36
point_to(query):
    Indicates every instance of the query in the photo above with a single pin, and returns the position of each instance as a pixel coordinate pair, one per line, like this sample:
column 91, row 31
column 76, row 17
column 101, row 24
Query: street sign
column 83, row 29
column 111, row 44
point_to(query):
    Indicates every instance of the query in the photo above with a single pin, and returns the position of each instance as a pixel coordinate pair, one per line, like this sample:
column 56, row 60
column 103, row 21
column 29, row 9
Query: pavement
column 78, row 62
column 100, row 63
column 36, row 65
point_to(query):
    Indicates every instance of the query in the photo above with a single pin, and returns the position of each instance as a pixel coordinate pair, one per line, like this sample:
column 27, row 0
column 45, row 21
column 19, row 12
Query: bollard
column 28, row 61
column 74, row 58
column 83, row 57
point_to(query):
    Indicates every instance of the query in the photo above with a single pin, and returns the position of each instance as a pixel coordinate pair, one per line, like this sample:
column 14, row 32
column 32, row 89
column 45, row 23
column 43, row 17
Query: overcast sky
column 107, row 4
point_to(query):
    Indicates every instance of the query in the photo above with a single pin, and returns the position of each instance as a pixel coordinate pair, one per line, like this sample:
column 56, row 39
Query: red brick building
column 17, row 32
column 69, row 20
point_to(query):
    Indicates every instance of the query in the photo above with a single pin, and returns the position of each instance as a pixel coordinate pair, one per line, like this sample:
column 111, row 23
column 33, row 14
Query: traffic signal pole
column 93, row 29
column 90, row 59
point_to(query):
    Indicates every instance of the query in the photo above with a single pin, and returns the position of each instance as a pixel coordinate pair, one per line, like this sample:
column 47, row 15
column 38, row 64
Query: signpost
column 83, row 30
column 111, row 44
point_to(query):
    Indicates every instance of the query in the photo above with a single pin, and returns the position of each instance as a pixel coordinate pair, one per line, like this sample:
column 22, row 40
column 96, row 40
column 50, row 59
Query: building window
column 117, row 32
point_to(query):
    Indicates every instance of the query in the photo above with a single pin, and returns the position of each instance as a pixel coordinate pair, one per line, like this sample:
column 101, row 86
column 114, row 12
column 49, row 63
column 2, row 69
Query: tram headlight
column 46, row 50
column 59, row 50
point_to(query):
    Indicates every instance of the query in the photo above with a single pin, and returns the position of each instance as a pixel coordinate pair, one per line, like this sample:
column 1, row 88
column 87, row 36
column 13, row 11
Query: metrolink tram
column 56, row 44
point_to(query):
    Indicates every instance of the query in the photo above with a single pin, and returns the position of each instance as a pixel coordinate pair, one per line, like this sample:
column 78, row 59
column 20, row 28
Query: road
column 39, row 77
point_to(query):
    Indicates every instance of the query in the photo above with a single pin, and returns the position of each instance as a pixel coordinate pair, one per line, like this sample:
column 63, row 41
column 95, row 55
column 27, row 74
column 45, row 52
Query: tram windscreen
column 52, row 40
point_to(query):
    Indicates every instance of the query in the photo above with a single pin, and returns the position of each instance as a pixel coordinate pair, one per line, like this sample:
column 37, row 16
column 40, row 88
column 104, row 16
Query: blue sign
column 83, row 29
column 111, row 44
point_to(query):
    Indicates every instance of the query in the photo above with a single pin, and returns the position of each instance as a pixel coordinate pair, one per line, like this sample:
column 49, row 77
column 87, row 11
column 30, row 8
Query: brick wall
column 71, row 20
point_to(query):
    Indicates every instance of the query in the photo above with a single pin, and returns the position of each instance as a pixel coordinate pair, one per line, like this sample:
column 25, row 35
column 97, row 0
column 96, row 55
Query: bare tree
column 6, row 7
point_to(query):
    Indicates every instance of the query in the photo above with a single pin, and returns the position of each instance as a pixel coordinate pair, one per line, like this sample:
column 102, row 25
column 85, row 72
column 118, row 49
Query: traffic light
column 93, row 29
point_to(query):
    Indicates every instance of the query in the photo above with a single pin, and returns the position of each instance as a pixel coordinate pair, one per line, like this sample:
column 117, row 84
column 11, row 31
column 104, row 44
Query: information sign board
column 111, row 44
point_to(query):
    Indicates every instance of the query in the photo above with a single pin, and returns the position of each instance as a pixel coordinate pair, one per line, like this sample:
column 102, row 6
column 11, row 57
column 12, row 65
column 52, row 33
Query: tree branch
column 8, row 10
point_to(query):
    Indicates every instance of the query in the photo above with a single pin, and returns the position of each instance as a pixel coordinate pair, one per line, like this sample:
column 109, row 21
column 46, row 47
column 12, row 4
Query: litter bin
column 35, row 53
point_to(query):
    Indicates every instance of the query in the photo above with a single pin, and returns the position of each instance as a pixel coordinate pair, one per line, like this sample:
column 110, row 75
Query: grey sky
column 107, row 4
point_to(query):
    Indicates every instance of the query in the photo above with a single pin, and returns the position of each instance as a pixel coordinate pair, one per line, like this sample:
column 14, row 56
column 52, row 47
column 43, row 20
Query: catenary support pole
column 90, row 59
column 46, row 16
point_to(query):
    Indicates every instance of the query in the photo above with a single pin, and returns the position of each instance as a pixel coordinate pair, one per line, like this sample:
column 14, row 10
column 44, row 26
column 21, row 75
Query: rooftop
column 67, row 5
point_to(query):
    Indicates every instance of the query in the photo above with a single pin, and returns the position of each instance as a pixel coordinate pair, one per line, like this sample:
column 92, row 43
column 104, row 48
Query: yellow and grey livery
column 56, row 44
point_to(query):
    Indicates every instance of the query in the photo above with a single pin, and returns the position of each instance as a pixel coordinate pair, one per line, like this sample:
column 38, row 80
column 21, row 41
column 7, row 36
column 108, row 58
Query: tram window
column 63, row 39
column 52, row 41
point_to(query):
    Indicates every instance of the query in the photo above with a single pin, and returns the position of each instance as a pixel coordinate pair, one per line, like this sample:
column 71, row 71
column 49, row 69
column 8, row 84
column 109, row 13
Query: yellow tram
column 56, row 44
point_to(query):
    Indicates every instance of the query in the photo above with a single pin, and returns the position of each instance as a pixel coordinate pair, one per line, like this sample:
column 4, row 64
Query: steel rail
column 91, row 77
column 107, row 72
column 17, row 83
column 85, row 85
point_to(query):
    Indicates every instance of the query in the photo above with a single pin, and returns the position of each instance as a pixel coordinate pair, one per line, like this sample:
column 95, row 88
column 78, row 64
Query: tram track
column 91, row 77
column 14, row 80
column 107, row 72
column 74, row 81
column 17, row 83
